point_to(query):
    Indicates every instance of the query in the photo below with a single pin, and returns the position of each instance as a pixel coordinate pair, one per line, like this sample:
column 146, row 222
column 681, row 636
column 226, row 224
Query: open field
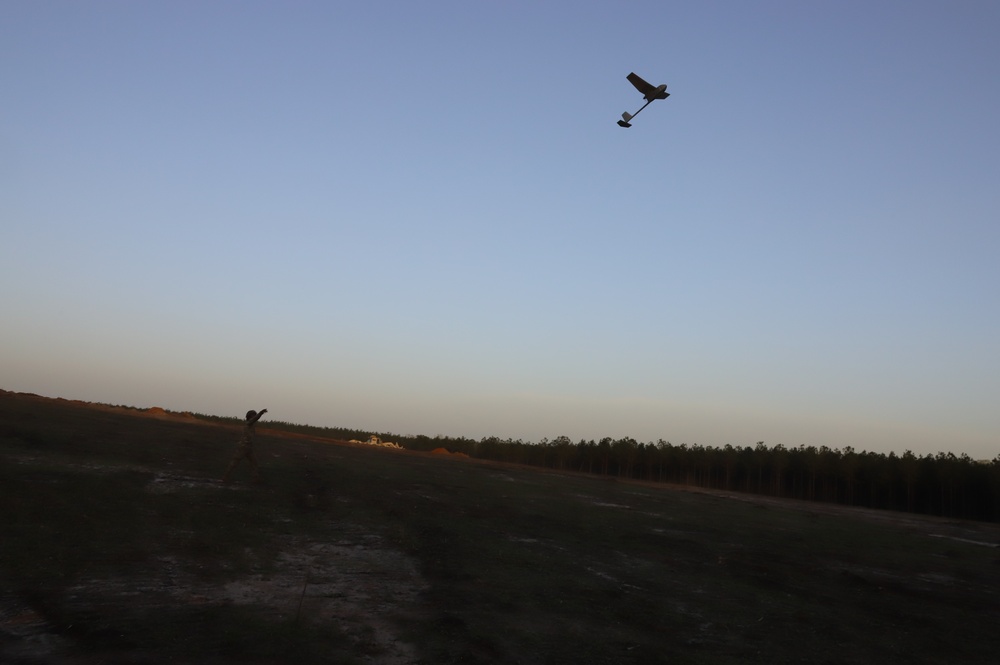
column 118, row 544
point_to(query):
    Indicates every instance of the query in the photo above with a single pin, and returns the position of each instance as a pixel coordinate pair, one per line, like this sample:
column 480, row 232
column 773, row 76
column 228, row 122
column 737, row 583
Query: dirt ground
column 326, row 567
column 357, row 582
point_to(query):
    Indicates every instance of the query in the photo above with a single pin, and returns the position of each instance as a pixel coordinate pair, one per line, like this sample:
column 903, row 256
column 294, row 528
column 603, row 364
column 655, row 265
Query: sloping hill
column 119, row 544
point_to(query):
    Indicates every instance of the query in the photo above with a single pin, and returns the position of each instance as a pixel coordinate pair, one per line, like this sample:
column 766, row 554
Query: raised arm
column 257, row 417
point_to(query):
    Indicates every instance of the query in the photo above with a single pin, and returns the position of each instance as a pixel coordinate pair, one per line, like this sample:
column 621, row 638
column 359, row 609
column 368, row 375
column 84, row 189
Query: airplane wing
column 640, row 85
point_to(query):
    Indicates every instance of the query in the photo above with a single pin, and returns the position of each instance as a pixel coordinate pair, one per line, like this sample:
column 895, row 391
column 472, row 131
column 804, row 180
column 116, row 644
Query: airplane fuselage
column 660, row 92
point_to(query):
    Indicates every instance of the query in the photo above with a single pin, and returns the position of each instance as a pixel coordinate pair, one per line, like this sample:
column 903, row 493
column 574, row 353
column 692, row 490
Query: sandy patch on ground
column 167, row 483
column 359, row 584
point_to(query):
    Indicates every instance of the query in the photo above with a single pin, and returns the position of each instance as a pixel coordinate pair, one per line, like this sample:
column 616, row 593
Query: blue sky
column 421, row 218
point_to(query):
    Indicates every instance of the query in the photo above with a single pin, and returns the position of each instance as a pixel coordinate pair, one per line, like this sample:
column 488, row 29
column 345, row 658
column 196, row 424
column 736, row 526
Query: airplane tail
column 624, row 121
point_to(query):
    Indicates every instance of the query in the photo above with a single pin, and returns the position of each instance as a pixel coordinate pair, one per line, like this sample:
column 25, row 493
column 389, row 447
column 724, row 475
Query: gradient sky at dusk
column 421, row 218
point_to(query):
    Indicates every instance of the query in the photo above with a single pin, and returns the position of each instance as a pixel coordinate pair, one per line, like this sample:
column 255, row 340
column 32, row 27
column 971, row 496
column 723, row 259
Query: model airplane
column 649, row 91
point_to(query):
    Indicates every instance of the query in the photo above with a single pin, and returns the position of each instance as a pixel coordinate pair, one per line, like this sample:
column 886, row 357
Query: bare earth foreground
column 119, row 545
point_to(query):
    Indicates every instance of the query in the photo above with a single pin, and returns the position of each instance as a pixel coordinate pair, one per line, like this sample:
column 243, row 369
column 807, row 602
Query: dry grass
column 119, row 545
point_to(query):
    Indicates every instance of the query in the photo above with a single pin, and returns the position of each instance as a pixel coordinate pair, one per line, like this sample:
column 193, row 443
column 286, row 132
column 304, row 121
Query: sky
column 422, row 218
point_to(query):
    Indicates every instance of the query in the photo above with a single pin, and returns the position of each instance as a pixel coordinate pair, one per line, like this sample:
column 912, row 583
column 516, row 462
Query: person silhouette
column 244, row 449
